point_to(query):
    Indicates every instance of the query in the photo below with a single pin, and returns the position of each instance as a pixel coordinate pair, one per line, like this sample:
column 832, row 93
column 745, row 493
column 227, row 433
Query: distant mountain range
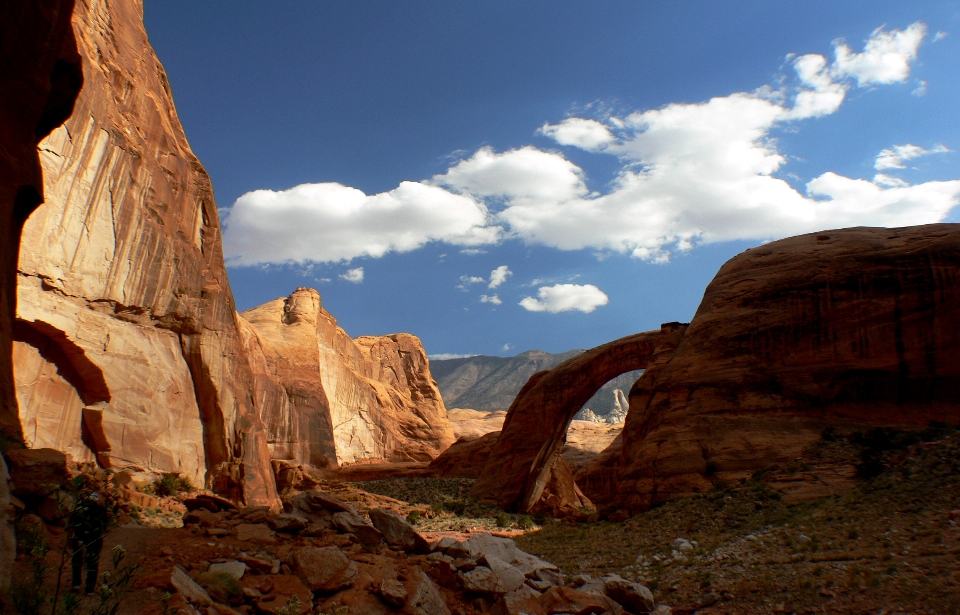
column 491, row 383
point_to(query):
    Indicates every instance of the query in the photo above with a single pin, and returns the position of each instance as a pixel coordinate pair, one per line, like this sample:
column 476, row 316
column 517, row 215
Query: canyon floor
column 891, row 545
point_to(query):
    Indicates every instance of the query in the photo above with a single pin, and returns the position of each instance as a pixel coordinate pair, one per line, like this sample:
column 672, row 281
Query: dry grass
column 892, row 543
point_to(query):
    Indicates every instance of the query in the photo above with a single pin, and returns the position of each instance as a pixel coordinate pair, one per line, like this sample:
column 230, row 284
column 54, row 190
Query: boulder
column 233, row 568
column 632, row 596
column 482, row 580
column 324, row 569
column 521, row 601
column 354, row 524
column 568, row 600
column 397, row 532
column 319, row 499
column 426, row 598
column 393, row 592
column 37, row 472
column 189, row 588
column 287, row 523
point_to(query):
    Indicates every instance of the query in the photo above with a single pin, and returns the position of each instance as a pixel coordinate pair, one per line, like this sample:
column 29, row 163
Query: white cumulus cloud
column 886, row 56
column 498, row 276
column 586, row 134
column 893, row 158
column 689, row 173
column 330, row 222
column 495, row 300
column 565, row 298
column 353, row 275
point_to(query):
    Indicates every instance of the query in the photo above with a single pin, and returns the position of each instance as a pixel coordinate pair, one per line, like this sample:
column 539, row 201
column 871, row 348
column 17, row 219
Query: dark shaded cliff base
column 891, row 545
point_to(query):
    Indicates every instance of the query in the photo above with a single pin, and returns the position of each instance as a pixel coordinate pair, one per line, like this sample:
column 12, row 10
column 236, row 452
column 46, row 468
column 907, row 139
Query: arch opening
column 74, row 394
column 525, row 462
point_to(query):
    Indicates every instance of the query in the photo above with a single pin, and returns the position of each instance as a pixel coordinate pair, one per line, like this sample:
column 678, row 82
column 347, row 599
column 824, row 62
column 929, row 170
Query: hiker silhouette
column 88, row 524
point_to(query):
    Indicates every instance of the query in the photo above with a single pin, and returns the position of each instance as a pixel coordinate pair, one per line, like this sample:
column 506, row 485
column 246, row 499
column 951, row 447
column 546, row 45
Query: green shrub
column 221, row 586
column 414, row 517
column 172, row 484
column 504, row 520
column 524, row 522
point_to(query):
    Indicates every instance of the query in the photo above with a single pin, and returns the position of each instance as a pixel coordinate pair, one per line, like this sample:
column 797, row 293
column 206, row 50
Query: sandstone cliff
column 848, row 328
column 128, row 346
column 369, row 398
column 40, row 77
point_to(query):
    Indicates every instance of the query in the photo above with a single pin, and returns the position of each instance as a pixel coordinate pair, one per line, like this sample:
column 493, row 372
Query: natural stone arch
column 522, row 462
column 73, row 369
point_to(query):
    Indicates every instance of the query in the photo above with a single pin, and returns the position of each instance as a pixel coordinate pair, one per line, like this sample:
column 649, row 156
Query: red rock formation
column 533, row 434
column 465, row 458
column 40, row 77
column 848, row 328
column 375, row 393
column 122, row 284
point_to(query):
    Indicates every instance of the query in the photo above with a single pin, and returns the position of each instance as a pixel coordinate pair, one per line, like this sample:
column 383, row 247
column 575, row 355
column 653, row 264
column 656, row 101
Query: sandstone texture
column 521, row 464
column 126, row 321
column 369, row 398
column 848, row 330
column 40, row 77
column 852, row 329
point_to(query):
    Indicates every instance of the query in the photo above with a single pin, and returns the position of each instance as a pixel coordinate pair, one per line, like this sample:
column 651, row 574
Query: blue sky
column 500, row 176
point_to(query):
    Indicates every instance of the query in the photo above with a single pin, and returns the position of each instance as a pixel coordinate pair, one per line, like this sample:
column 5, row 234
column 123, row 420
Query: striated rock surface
column 370, row 398
column 40, row 77
column 850, row 328
column 127, row 320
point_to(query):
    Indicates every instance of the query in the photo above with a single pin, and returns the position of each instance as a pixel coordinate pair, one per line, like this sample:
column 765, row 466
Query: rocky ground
column 891, row 545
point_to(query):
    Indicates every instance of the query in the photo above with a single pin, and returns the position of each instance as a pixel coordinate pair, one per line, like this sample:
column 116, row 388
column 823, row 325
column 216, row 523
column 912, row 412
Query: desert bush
column 221, row 586
column 524, row 522
column 172, row 483
column 414, row 517
column 504, row 520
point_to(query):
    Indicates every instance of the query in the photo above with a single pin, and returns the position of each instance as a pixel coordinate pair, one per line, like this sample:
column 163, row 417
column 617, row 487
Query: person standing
column 88, row 524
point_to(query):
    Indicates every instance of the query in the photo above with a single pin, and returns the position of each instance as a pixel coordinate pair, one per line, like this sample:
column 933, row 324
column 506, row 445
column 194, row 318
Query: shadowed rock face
column 121, row 277
column 849, row 328
column 40, row 77
column 347, row 399
column 521, row 464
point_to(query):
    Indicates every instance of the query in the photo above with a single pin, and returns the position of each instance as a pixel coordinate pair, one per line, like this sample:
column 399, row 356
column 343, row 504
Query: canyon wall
column 848, row 329
column 852, row 329
column 40, row 77
column 369, row 398
column 128, row 348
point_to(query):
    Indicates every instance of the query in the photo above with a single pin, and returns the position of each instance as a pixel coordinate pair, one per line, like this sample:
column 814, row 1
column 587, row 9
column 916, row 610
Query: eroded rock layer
column 851, row 328
column 122, row 289
column 370, row 398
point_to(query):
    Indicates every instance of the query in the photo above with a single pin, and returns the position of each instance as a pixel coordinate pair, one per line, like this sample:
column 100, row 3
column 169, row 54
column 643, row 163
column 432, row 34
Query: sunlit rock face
column 123, row 295
column 348, row 399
